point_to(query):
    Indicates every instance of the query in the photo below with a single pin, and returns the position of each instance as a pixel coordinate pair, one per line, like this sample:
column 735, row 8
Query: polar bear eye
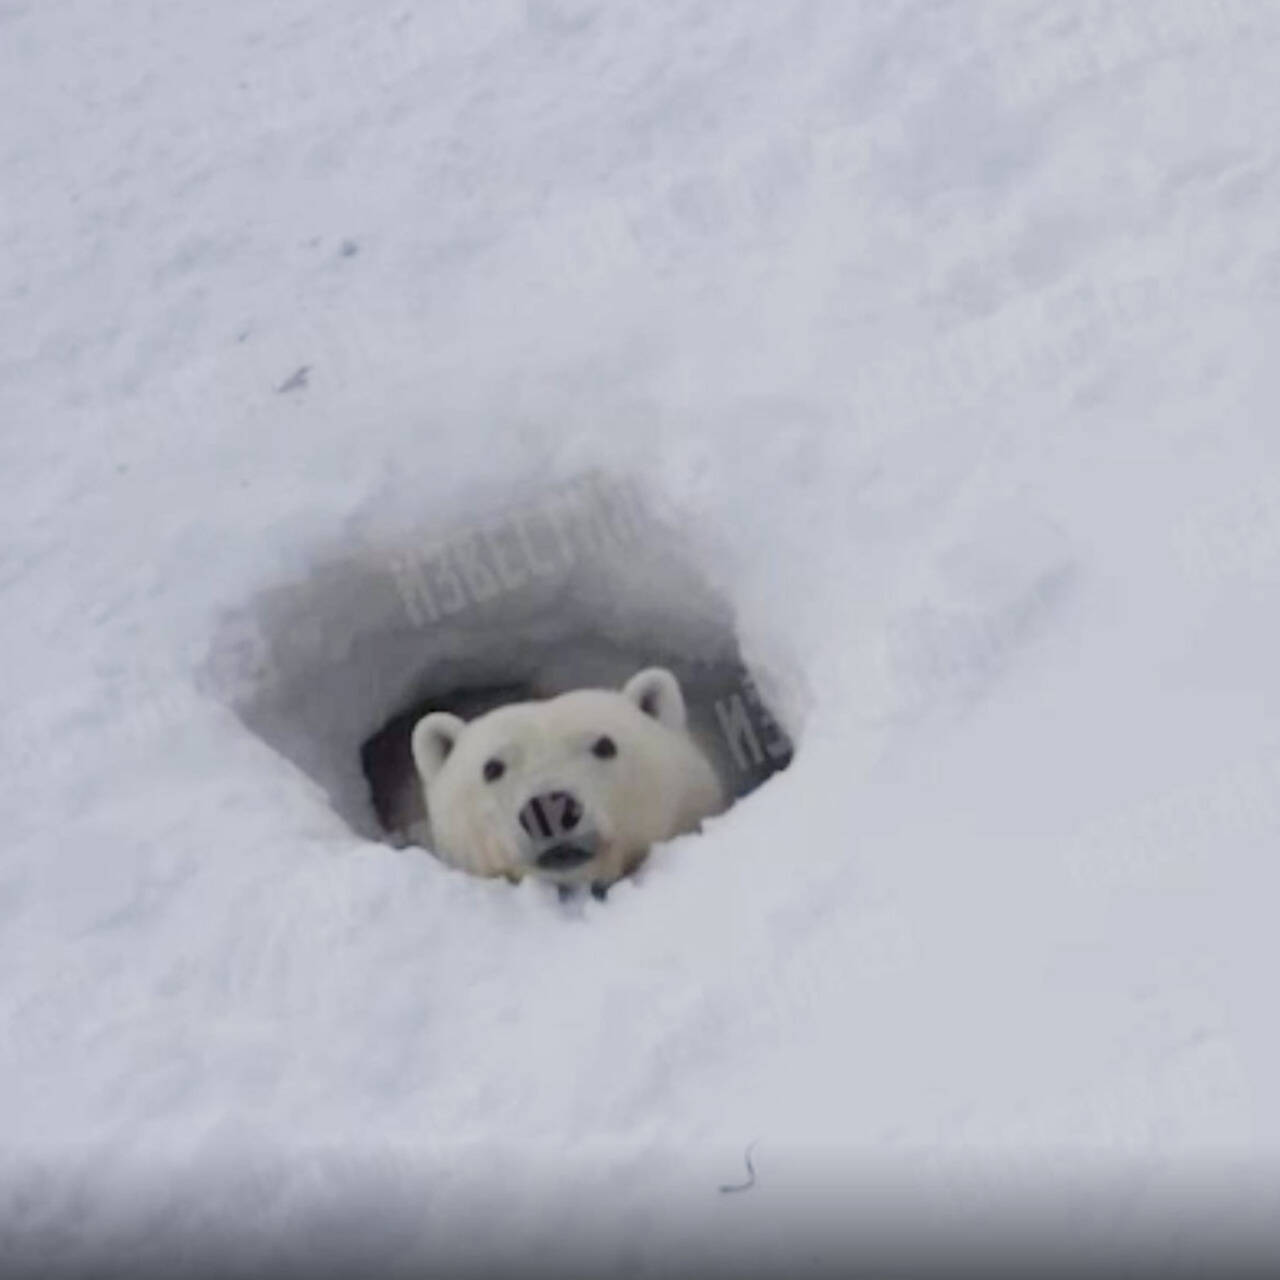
column 493, row 770
column 604, row 748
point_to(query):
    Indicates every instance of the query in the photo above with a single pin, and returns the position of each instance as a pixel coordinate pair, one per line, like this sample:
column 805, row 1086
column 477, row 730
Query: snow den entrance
column 583, row 587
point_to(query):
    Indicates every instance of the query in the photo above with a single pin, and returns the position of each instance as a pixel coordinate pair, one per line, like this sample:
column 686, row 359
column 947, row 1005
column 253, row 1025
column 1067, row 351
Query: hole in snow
column 583, row 587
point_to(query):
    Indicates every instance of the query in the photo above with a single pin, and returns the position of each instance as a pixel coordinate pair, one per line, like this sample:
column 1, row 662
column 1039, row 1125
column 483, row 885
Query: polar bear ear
column 434, row 736
column 657, row 693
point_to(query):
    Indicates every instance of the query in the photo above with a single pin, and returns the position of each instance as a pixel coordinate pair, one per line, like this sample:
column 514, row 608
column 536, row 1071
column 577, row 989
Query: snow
column 941, row 337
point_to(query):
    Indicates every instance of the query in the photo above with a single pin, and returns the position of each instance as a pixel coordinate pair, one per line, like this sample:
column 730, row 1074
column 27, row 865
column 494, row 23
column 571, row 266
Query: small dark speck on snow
column 296, row 380
column 730, row 1187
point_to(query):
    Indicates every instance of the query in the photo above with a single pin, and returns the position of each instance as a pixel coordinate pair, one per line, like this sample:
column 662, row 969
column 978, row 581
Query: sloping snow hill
column 937, row 343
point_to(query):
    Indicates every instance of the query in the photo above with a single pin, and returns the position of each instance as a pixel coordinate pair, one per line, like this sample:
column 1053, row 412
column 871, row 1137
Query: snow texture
column 936, row 341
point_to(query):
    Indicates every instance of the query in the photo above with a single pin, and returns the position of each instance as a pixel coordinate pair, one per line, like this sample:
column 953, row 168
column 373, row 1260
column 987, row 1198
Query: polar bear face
column 573, row 789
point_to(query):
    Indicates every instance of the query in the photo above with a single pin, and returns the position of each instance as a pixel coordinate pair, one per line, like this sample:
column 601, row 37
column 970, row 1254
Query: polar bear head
column 573, row 789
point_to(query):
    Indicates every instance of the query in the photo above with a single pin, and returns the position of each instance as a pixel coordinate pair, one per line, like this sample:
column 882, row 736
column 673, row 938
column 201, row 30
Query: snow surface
column 945, row 337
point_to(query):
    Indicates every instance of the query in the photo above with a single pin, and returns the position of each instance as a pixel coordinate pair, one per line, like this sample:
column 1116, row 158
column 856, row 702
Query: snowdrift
column 916, row 363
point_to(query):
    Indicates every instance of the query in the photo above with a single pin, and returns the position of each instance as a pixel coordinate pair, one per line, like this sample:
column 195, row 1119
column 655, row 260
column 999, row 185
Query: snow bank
column 942, row 342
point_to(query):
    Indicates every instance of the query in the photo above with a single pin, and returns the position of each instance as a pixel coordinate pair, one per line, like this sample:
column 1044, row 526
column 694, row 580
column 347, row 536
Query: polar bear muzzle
column 559, row 836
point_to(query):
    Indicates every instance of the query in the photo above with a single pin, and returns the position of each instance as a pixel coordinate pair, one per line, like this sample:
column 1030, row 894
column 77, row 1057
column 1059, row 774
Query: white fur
column 658, row 785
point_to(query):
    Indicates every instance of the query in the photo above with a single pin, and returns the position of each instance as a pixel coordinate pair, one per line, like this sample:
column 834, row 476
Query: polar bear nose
column 550, row 816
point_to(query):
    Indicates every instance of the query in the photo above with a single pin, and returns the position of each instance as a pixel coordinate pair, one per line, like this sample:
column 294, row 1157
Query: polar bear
column 572, row 789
